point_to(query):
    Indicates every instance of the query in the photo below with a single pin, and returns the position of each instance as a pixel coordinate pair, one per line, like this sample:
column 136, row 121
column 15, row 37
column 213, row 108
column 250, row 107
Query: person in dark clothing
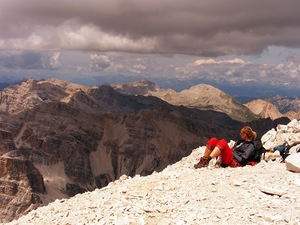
column 238, row 155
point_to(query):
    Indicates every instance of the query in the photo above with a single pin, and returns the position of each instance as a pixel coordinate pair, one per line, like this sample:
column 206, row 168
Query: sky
column 88, row 41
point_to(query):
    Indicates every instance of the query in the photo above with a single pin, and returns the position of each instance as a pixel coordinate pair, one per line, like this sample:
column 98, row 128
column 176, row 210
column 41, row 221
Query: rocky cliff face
column 266, row 109
column 58, row 139
column 20, row 185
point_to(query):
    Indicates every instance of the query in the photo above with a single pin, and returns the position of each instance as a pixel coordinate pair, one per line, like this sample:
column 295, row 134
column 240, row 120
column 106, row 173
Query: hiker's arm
column 243, row 159
column 249, row 151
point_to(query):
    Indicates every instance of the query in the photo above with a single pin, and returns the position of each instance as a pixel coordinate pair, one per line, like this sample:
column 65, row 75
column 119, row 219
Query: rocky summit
column 267, row 193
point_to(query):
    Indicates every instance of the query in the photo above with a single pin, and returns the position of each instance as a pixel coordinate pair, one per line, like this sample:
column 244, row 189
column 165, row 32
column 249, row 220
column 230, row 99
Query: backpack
column 284, row 150
column 259, row 151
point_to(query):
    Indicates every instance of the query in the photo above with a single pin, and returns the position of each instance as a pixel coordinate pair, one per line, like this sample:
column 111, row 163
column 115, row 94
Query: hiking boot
column 202, row 163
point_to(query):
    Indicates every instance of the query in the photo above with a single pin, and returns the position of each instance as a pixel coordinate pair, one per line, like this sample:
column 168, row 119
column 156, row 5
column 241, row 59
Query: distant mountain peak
column 204, row 87
column 264, row 109
column 201, row 96
column 30, row 93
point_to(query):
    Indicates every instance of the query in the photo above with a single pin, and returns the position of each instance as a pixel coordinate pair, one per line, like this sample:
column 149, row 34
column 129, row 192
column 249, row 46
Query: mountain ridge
column 287, row 106
column 201, row 96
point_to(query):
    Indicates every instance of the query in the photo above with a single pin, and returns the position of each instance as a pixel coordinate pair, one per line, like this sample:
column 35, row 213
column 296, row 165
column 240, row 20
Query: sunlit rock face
column 264, row 109
column 58, row 139
column 20, row 185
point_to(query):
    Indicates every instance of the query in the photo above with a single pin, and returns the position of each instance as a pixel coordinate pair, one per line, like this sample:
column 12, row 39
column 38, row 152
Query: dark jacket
column 242, row 151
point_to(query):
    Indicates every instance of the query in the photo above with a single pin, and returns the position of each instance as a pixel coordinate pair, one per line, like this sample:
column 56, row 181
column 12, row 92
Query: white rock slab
column 292, row 162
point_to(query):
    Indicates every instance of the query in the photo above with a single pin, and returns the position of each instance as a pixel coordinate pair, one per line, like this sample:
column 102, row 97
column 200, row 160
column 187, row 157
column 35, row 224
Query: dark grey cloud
column 30, row 60
column 205, row 28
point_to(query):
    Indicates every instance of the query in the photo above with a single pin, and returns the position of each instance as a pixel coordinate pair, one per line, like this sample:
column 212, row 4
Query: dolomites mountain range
column 58, row 139
column 205, row 97
column 202, row 96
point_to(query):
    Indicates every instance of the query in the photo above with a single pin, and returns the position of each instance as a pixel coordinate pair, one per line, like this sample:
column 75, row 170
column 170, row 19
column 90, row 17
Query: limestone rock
column 292, row 162
column 271, row 191
column 20, row 184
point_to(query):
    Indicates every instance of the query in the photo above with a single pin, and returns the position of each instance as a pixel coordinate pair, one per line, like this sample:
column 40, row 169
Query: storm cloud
column 30, row 60
column 205, row 28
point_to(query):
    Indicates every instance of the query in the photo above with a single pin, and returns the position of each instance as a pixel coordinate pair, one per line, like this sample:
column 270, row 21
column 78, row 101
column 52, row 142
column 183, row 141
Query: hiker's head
column 248, row 134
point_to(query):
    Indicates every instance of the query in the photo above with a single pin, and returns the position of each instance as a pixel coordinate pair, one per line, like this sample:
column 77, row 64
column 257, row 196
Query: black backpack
column 259, row 151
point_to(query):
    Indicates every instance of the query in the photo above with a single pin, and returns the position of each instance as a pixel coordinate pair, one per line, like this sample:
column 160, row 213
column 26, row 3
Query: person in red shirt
column 238, row 155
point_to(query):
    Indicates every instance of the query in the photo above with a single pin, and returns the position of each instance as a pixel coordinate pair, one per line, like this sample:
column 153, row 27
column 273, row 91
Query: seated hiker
column 239, row 155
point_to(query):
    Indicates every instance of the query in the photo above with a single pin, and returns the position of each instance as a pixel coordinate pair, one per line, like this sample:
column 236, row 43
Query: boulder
column 292, row 162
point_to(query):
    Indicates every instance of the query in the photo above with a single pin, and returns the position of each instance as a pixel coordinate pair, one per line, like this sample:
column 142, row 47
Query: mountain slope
column 182, row 195
column 202, row 96
column 292, row 115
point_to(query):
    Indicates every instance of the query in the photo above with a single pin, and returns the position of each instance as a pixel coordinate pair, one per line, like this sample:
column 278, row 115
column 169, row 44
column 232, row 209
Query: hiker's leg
column 226, row 152
column 215, row 153
column 210, row 146
column 279, row 148
column 214, row 147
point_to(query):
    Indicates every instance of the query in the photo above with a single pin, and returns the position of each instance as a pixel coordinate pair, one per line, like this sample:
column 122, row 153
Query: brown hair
column 251, row 135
